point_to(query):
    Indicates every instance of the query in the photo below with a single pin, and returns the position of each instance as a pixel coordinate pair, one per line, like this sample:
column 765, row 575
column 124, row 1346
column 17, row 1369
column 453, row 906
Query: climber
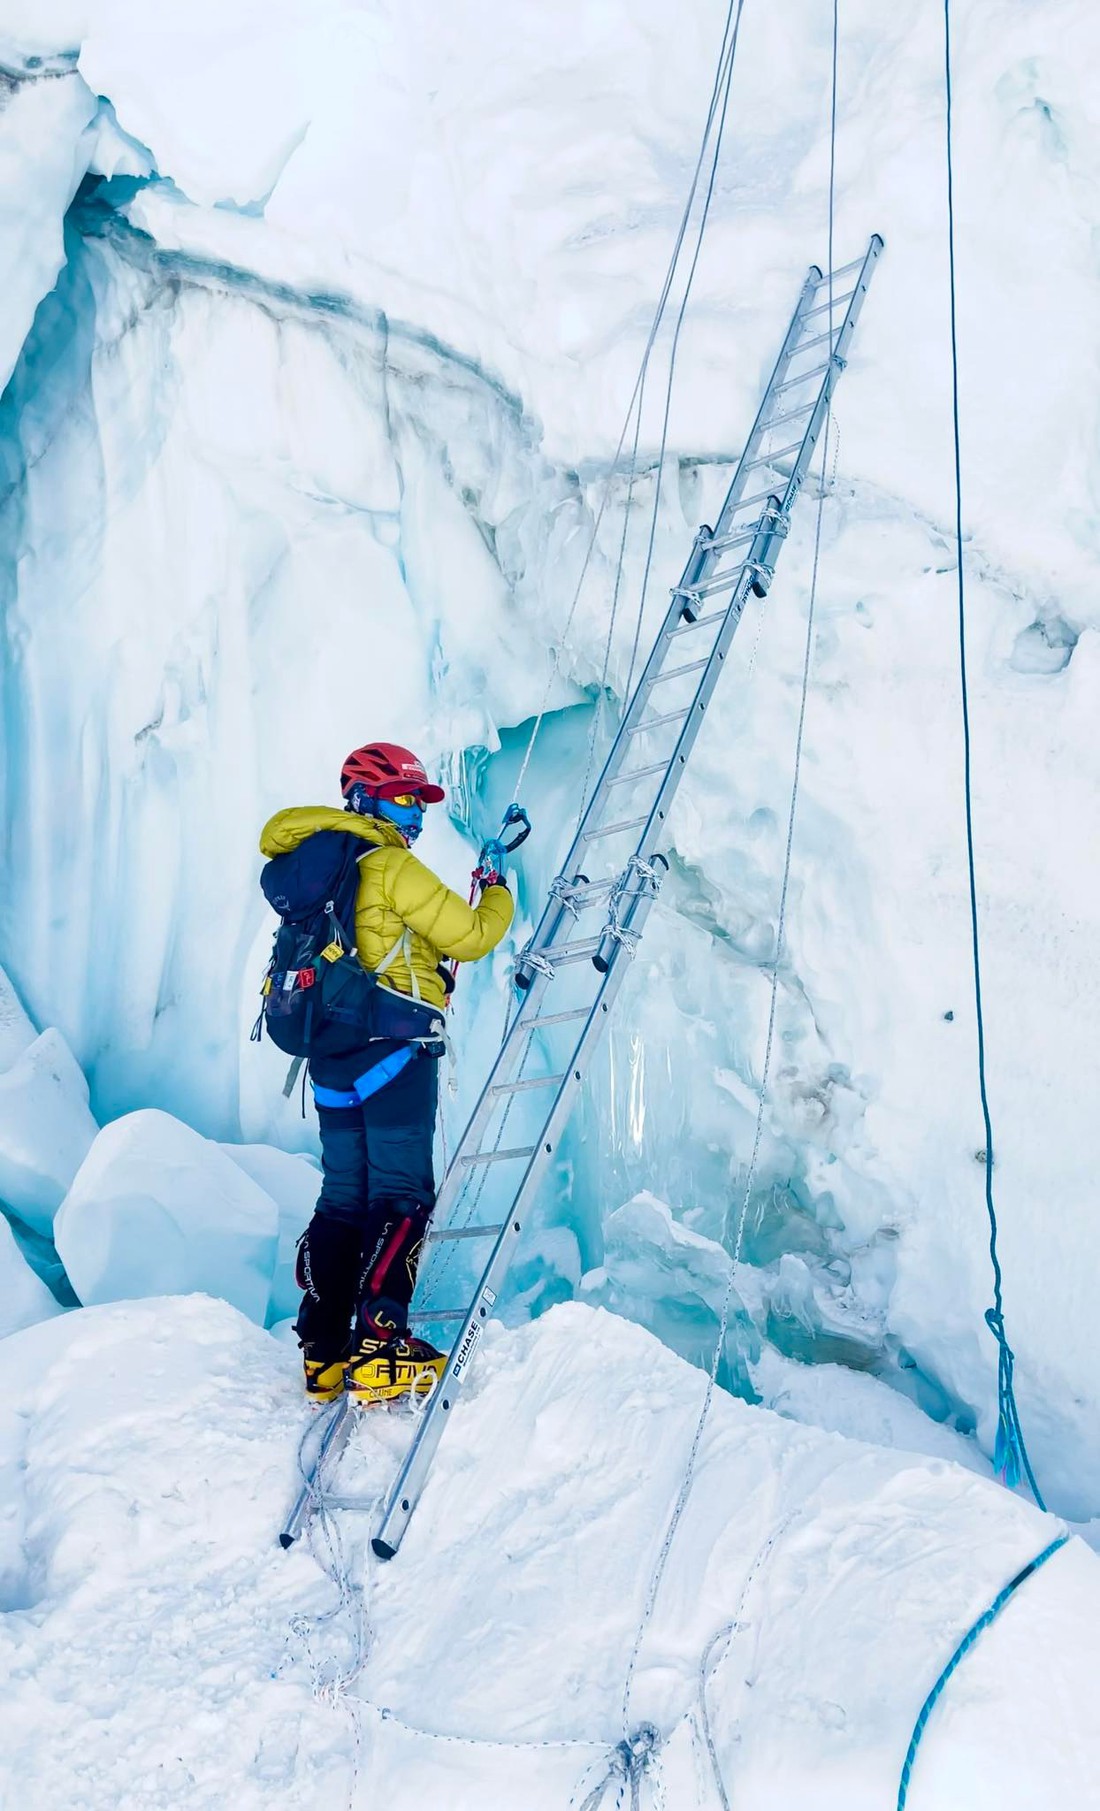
column 376, row 1108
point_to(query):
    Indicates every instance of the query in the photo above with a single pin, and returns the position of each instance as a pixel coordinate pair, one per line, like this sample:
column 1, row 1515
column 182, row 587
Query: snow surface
column 159, row 1649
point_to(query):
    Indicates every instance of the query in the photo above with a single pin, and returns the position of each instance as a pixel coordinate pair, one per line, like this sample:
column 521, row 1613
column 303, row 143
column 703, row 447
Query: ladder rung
column 554, row 1018
column 641, row 773
column 760, row 496
column 536, row 1081
column 802, row 378
column 819, row 339
column 462, row 1232
column 843, row 269
column 720, row 582
column 439, row 1314
column 822, row 307
column 723, row 542
column 497, row 1156
column 692, row 666
column 701, row 622
column 791, row 415
column 627, row 823
column 573, row 952
column 780, row 453
column 656, row 722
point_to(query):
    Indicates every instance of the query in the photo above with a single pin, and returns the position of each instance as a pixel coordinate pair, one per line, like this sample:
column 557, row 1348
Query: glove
column 494, row 880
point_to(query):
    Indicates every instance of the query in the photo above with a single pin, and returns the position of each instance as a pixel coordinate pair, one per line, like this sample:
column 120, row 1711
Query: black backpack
column 318, row 999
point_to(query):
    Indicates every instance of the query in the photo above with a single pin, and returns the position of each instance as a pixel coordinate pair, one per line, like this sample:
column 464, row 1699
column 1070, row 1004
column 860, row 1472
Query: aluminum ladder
column 569, row 973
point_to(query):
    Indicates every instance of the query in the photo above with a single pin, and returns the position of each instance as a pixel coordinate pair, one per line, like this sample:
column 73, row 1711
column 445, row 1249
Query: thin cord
column 1010, row 1454
column 676, row 342
column 724, row 80
column 639, row 383
column 780, row 938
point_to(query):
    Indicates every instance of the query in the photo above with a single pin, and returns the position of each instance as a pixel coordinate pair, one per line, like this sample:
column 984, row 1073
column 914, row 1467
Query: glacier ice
column 156, row 1209
column 293, row 1184
column 24, row 1298
column 280, row 429
column 46, row 1128
column 17, row 1032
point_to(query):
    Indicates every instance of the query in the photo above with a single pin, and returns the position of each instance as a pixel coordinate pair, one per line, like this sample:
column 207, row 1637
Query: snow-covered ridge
column 149, row 1451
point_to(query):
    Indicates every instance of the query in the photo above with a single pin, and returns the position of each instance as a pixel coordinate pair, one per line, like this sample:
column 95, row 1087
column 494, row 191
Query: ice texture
column 24, row 1298
column 156, row 1209
column 46, row 1129
column 293, row 1184
column 304, row 446
column 147, row 1455
column 16, row 1030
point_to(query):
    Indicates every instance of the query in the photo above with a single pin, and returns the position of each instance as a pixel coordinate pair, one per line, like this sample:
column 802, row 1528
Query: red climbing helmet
column 387, row 770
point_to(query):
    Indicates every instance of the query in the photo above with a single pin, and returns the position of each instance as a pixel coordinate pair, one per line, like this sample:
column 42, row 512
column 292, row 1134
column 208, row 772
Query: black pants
column 361, row 1249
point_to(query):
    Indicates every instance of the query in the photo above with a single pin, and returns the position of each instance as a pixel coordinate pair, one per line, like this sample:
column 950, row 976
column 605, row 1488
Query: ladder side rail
column 834, row 370
column 653, row 831
column 700, row 560
column 756, row 572
column 788, row 351
column 333, row 1441
column 505, row 1065
column 768, row 552
column 405, row 1491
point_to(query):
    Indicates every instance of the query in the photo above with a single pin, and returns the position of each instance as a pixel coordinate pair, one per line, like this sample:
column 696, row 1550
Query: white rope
column 780, row 940
column 723, row 1324
column 725, row 57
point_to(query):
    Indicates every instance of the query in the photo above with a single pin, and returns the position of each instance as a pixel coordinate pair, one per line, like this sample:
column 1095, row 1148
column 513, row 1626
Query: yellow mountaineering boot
column 383, row 1370
column 324, row 1378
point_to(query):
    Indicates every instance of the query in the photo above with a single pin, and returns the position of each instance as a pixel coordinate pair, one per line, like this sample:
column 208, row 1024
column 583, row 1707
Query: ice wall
column 304, row 446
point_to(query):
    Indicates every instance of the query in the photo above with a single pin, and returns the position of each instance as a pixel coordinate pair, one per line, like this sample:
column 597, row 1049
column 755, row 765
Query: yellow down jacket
column 397, row 892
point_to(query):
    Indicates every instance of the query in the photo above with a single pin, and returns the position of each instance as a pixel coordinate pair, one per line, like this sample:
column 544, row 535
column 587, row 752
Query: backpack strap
column 403, row 947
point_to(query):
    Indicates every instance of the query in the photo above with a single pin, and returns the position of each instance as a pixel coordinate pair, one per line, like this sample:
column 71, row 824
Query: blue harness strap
column 368, row 1083
column 334, row 1097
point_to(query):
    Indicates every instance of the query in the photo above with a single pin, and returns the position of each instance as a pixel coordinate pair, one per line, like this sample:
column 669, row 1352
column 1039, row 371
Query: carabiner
column 515, row 814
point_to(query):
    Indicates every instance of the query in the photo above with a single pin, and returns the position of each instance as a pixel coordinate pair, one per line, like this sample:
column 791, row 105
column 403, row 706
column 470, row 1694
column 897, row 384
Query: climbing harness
column 1010, row 1453
column 975, row 1630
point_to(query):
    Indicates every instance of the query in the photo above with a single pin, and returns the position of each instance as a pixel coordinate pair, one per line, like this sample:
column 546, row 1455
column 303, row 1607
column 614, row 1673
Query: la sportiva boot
column 388, row 1362
column 324, row 1376
column 327, row 1271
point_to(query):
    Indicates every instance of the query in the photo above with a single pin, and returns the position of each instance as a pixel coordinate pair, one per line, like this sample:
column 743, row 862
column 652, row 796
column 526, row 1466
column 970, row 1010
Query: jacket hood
column 287, row 829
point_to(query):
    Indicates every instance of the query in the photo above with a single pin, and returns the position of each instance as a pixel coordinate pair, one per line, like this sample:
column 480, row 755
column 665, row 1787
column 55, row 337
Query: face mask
column 409, row 819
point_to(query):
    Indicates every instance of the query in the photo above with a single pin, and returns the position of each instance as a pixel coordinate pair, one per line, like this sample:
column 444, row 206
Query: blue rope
column 1009, row 1453
column 975, row 1630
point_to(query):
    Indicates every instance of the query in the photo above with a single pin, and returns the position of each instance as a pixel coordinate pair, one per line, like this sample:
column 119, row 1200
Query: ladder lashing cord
column 1010, row 1453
